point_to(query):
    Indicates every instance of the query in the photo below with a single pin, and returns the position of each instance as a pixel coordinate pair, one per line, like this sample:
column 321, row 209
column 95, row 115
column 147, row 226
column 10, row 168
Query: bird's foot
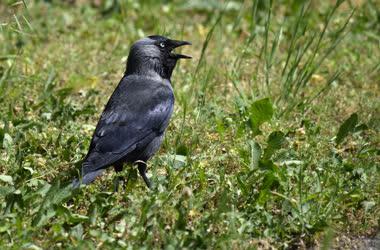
column 116, row 183
column 142, row 166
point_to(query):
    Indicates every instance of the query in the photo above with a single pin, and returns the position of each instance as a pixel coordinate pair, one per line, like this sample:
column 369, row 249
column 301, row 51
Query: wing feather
column 138, row 111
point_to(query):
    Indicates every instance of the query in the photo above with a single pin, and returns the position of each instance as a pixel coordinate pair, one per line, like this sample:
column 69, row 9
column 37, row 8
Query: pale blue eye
column 162, row 45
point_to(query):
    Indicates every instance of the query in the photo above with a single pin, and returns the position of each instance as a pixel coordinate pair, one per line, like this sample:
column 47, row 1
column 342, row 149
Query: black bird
column 132, row 125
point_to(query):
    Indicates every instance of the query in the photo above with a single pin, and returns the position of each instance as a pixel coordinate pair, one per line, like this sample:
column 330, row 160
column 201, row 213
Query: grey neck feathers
column 141, row 64
column 145, row 66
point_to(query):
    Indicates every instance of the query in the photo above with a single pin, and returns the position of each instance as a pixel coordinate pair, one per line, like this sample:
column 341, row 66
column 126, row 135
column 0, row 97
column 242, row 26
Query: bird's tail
column 87, row 178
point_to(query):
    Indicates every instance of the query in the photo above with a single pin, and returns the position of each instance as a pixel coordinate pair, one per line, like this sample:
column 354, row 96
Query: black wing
column 138, row 109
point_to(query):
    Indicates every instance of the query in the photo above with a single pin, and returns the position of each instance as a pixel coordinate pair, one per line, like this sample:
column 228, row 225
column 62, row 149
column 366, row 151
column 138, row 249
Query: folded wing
column 138, row 111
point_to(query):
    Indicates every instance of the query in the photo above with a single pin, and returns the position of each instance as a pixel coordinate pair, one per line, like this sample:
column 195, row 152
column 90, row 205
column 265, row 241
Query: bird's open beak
column 175, row 44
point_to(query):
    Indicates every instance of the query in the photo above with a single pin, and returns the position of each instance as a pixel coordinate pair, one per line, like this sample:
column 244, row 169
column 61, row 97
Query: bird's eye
column 162, row 45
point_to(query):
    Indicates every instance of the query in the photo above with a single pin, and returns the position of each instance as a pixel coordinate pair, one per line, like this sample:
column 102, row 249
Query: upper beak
column 175, row 44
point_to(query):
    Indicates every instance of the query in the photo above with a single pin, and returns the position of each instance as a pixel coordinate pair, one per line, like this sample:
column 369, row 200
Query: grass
column 274, row 140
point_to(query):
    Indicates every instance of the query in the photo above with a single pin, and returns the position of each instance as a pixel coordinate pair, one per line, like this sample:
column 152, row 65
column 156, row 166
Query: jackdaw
column 132, row 125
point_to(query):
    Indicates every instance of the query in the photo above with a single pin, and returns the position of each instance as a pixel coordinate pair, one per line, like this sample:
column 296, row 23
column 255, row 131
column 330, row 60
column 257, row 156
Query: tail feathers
column 87, row 178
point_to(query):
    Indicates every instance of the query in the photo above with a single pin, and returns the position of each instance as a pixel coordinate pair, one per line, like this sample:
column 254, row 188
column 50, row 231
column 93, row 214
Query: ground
column 274, row 141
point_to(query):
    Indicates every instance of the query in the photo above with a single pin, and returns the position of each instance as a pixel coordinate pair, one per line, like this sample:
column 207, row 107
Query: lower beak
column 176, row 44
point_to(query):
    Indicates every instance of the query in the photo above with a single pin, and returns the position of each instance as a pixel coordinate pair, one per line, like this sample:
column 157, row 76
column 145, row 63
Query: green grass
column 274, row 141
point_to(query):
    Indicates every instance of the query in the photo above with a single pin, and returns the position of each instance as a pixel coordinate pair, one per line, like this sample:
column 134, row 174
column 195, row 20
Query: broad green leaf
column 6, row 178
column 4, row 228
column 255, row 154
column 242, row 184
column 7, row 141
column 275, row 141
column 346, row 128
column 55, row 195
column 5, row 190
column 77, row 231
column 260, row 111
column 176, row 161
column 42, row 217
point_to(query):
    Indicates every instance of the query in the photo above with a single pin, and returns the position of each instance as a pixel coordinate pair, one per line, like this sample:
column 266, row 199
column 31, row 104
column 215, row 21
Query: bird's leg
column 118, row 168
column 116, row 183
column 141, row 165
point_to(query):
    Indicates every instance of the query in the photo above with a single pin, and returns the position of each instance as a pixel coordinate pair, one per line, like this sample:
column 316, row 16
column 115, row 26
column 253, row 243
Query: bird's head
column 154, row 54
